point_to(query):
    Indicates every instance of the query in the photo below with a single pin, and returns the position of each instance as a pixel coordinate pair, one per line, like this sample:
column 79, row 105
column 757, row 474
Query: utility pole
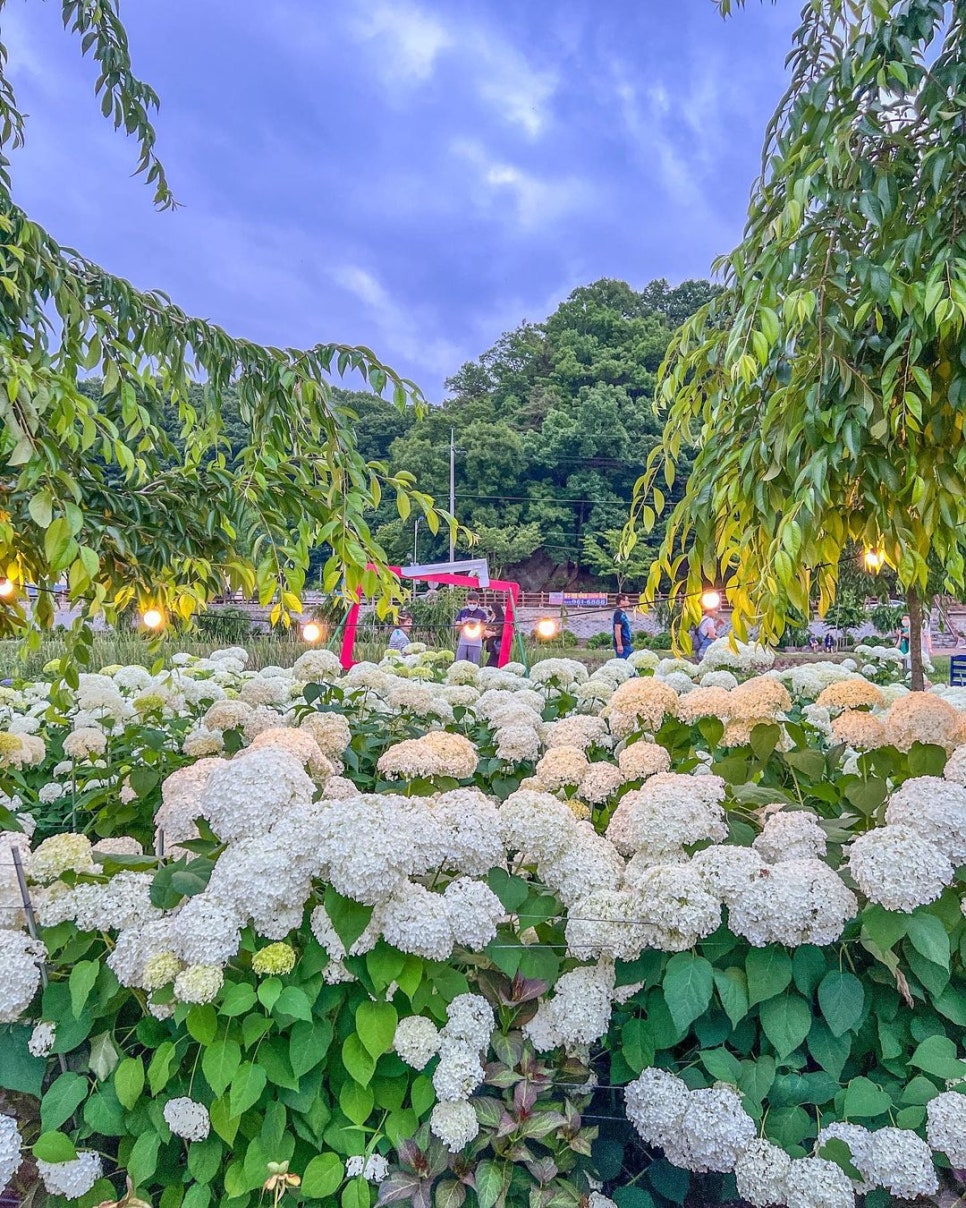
column 452, row 489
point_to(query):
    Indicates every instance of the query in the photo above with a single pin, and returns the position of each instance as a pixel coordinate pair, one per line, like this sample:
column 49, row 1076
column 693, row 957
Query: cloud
column 401, row 331
column 537, row 201
column 514, row 88
column 410, row 39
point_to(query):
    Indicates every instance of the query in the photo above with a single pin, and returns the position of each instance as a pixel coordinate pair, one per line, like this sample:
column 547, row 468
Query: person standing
column 470, row 623
column 402, row 635
column 903, row 641
column 621, row 628
column 706, row 632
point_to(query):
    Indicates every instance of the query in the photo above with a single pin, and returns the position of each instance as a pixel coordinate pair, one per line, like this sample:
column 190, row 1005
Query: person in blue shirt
column 402, row 635
column 621, row 626
column 470, row 623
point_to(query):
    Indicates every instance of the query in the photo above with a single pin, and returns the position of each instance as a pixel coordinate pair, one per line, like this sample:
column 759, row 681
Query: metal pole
column 416, row 542
column 32, row 929
column 452, row 489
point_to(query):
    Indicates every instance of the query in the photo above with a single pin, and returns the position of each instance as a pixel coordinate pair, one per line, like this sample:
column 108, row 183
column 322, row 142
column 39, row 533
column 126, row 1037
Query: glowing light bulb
column 7, row 589
column 874, row 560
column 472, row 630
column 152, row 618
column 711, row 600
column 547, row 628
column 312, row 632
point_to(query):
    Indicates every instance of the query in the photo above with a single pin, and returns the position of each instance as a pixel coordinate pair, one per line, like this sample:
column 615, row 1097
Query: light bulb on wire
column 547, row 628
column 711, row 601
column 152, row 618
column 7, row 588
column 312, row 632
column 874, row 560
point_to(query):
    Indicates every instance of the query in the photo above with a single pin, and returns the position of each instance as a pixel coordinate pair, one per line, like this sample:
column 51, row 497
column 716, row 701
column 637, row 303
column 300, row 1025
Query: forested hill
column 552, row 424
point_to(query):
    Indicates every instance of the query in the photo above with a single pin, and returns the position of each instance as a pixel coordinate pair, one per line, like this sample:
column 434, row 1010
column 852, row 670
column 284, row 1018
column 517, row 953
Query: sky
column 418, row 176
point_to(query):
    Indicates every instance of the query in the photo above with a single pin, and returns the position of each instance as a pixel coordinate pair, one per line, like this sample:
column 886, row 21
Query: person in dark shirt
column 621, row 626
column 470, row 622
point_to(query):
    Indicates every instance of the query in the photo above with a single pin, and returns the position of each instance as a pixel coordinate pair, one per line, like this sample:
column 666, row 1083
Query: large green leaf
column 688, row 985
column 842, row 1001
column 785, row 1021
column 769, row 971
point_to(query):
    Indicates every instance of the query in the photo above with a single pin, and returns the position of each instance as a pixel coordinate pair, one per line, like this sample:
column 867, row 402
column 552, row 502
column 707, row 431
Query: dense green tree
column 107, row 491
column 827, row 383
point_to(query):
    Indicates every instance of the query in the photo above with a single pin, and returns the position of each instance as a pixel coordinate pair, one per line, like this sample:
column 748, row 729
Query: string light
column 312, row 632
column 7, row 588
column 874, row 560
column 152, row 618
column 711, row 601
column 547, row 628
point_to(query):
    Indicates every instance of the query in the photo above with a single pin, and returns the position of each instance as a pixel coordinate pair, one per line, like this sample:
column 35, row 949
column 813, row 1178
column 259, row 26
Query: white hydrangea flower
column 455, row 1124
column 60, row 854
column 712, row 1131
column 245, row 796
column 667, row 813
column 459, row 1071
column 375, row 1168
column 898, row 867
column 187, row 1118
column 761, row 1171
column 416, row 1041
column 20, row 958
column 791, row 835
column 469, row 1019
column 946, row 1126
column 470, row 823
column 11, row 1144
column 587, row 864
column 414, row 919
column 673, row 902
column 817, row 1183
column 198, row 983
column 901, row 1162
column 71, row 1179
column 42, row 1039
column 579, row 1011
column 654, row 1103
column 474, row 911
column 936, row 808
column 859, row 1141
column 728, row 870
column 798, row 902
column 536, row 823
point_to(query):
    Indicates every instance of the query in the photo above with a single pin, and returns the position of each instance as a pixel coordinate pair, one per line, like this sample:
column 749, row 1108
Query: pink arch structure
column 511, row 590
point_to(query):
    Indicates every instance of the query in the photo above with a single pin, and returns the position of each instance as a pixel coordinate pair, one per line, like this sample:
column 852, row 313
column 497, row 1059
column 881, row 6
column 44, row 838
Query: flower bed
column 426, row 932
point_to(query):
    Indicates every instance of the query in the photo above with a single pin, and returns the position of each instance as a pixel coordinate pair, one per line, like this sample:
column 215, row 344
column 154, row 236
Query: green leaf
column 142, row 1162
column 129, row 1081
column 219, row 1063
column 637, row 1046
column 842, row 1001
column 491, row 1177
column 54, row 1147
column 785, row 1021
column 633, row 1197
column 246, row 1087
column 357, row 1101
column 237, row 999
column 63, row 1097
column 356, row 1193
column 159, row 1071
column 204, row 1159
column 721, row 1065
column 808, row 969
column 322, row 1176
column 769, row 971
column 81, row 982
column 20, row 1070
column 688, row 985
column 103, row 1056
column 732, row 987
column 349, row 918
column 293, row 1001
column 308, row 1045
column 930, row 938
column 829, row 1051
column 764, row 739
column 936, row 1055
column 376, row 1026
column 358, row 1060
column 512, row 891
column 202, row 1023
column 864, row 1098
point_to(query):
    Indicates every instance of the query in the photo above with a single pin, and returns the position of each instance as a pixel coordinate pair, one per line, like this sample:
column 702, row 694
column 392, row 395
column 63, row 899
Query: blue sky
column 415, row 175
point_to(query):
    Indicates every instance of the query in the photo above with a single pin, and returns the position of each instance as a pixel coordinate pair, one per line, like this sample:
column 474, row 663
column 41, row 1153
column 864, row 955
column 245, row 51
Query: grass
column 111, row 649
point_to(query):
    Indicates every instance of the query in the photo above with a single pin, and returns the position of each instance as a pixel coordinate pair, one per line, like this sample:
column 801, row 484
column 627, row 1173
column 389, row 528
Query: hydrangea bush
column 432, row 934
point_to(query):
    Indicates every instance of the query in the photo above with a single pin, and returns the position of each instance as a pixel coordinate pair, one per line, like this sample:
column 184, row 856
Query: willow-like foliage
column 93, row 490
column 825, row 388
